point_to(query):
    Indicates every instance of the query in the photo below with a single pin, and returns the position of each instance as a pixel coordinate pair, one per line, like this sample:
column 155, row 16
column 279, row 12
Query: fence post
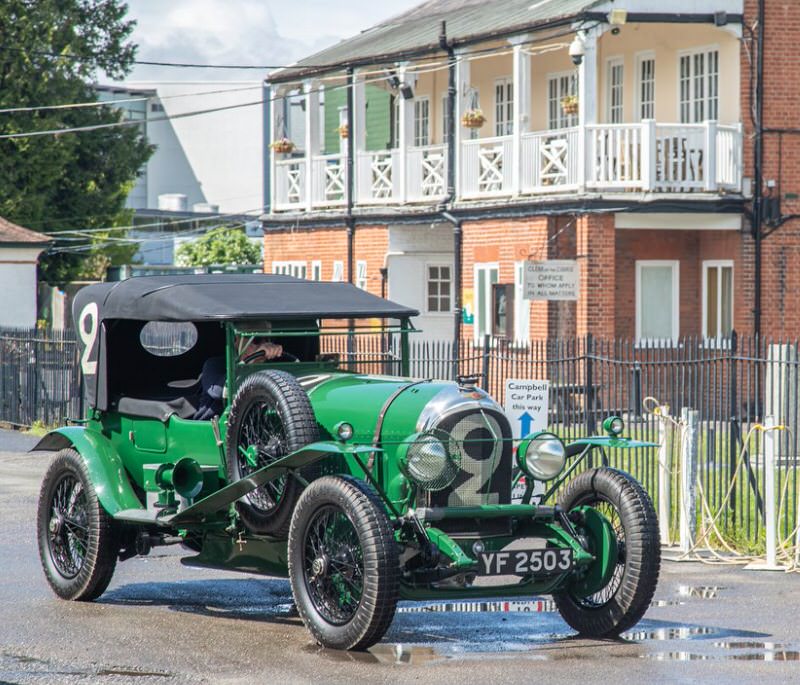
column 664, row 476
column 733, row 437
column 588, row 394
column 690, row 419
column 487, row 341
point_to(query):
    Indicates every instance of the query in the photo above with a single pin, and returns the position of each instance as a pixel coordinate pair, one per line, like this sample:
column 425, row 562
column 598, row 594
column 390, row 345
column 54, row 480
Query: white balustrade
column 646, row 156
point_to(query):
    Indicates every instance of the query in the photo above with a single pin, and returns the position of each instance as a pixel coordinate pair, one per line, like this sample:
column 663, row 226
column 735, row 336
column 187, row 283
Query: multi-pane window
column 503, row 107
column 445, row 103
column 646, row 86
column 422, row 121
column 361, row 274
column 503, row 310
column 699, row 86
column 316, row 270
column 657, row 301
column 615, row 88
column 438, row 288
column 486, row 275
column 290, row 268
column 338, row 271
column 717, row 299
column 560, row 86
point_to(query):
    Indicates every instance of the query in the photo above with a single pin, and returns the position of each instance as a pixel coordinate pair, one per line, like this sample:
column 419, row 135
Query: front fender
column 108, row 475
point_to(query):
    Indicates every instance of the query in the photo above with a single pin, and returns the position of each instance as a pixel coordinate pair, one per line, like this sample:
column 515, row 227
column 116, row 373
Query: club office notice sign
column 554, row 279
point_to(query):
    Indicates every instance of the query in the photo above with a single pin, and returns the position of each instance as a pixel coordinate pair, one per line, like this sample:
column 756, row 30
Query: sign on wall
column 554, row 279
column 526, row 406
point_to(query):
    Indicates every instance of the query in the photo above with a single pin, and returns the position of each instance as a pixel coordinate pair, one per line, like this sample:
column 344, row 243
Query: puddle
column 748, row 644
column 670, row 633
column 666, row 603
column 700, row 591
column 535, row 606
column 133, row 673
column 788, row 655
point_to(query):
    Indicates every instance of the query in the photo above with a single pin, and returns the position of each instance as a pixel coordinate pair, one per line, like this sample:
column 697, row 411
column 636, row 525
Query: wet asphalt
column 161, row 622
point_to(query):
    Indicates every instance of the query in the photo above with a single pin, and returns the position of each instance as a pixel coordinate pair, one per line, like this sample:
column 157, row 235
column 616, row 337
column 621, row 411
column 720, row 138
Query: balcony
column 647, row 157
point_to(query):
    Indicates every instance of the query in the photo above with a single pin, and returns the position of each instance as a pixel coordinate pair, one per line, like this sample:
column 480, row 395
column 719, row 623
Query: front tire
column 343, row 563
column 78, row 541
column 624, row 599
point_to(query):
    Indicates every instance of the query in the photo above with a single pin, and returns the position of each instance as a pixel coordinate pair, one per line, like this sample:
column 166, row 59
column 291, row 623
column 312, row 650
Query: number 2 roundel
column 88, row 327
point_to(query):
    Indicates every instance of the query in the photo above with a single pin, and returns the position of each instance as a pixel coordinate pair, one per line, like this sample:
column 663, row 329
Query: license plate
column 537, row 562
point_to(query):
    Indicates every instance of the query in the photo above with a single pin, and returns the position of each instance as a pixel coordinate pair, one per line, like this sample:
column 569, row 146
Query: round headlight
column 428, row 461
column 542, row 456
column 613, row 425
column 344, row 431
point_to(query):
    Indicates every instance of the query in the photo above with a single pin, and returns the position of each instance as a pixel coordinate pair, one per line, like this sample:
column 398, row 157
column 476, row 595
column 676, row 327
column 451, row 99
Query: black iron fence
column 735, row 384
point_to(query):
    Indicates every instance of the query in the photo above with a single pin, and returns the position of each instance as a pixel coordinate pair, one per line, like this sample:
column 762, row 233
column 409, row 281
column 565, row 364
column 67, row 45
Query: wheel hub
column 56, row 525
column 319, row 567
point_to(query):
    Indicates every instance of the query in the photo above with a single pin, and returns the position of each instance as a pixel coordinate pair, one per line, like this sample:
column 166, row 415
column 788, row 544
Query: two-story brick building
column 620, row 134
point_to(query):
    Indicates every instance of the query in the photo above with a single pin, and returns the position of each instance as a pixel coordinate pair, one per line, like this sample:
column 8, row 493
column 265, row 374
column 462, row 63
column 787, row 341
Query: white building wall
column 216, row 157
column 18, row 285
column 411, row 249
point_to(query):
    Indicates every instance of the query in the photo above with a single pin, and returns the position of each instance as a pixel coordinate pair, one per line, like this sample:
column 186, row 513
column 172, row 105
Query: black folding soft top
column 215, row 297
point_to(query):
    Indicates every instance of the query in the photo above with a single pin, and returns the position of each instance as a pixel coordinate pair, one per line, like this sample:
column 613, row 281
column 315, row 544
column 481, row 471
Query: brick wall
column 594, row 245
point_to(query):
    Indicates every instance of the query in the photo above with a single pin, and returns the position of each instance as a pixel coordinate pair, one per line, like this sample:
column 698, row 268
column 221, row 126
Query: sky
column 244, row 32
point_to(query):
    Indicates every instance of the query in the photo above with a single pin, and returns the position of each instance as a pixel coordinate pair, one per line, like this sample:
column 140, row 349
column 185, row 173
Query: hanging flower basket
column 569, row 104
column 343, row 131
column 473, row 118
column 283, row 146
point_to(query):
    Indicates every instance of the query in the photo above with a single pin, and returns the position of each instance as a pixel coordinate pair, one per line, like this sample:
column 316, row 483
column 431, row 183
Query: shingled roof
column 417, row 31
column 16, row 235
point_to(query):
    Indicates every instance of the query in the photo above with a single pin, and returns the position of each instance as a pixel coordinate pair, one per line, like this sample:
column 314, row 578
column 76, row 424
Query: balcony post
column 405, row 133
column 710, row 156
column 587, row 103
column 649, row 155
column 358, row 132
column 275, row 106
column 462, row 105
column 312, row 142
column 522, row 107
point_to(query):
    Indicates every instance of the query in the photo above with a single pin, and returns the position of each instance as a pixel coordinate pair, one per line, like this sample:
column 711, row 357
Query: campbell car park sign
column 554, row 279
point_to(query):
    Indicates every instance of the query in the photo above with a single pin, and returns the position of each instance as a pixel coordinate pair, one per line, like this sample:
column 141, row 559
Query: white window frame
column 615, row 114
column 639, row 100
column 422, row 121
column 719, row 264
column 361, row 274
column 479, row 327
column 676, row 290
column 522, row 307
column 503, row 106
column 561, row 120
column 291, row 267
column 707, row 79
column 438, row 312
column 316, row 270
column 337, row 276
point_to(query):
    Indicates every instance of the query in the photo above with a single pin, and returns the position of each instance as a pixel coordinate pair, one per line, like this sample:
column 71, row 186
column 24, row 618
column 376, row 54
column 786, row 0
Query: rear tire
column 623, row 601
column 343, row 563
column 270, row 416
column 78, row 540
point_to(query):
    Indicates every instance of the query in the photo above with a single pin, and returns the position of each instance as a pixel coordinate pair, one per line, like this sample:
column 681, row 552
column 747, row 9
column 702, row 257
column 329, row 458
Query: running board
column 199, row 511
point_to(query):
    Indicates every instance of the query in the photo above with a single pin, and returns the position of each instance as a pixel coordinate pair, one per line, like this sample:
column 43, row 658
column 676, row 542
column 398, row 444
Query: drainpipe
column 350, row 221
column 451, row 192
column 758, row 160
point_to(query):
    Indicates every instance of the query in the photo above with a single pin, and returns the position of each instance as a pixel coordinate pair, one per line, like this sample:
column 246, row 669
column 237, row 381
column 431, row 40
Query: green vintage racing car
column 327, row 463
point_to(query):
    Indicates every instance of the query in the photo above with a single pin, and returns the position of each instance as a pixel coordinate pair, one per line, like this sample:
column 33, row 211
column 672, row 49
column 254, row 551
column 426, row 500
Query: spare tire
column 270, row 417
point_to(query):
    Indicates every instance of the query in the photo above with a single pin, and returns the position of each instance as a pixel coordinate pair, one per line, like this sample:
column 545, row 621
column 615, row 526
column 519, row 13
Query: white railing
column 647, row 157
column 290, row 183
column 329, row 180
column 426, row 173
column 487, row 167
column 549, row 161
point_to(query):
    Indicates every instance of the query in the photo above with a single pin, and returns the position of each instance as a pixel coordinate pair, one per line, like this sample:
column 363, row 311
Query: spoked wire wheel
column 343, row 563
column 68, row 532
column 625, row 597
column 262, row 440
column 78, row 540
column 270, row 417
column 333, row 562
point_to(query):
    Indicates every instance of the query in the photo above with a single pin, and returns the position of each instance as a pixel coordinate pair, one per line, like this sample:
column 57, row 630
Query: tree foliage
column 49, row 52
column 219, row 246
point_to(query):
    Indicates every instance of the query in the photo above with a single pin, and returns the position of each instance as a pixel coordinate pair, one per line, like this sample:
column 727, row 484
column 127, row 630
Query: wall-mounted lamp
column 406, row 91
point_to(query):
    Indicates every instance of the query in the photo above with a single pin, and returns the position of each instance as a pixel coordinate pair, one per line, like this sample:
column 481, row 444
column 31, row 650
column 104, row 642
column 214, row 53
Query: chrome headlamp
column 614, row 425
column 428, row 460
column 542, row 456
